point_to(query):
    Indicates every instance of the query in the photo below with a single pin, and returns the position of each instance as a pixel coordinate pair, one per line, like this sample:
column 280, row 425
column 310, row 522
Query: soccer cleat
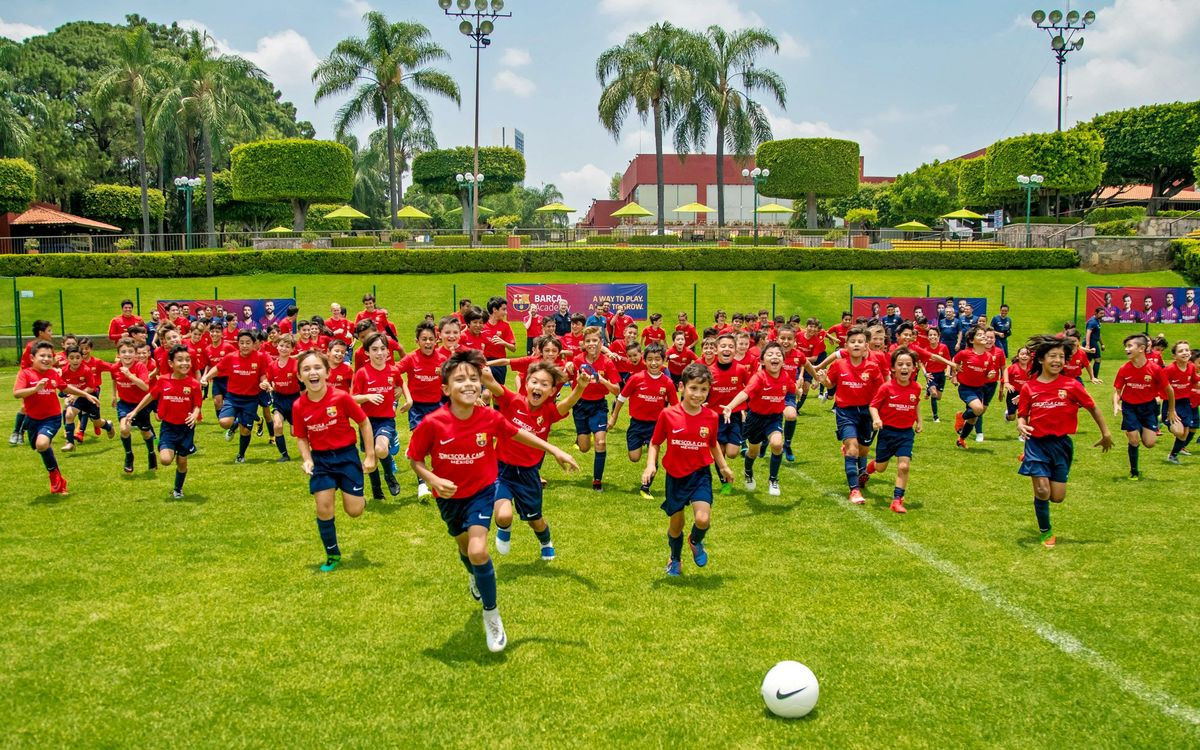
column 503, row 540
column 473, row 588
column 128, row 463
column 152, row 464
column 1184, row 452
column 1021, row 458
column 773, row 487
column 393, row 447
column 959, row 422
column 979, row 438
column 229, row 434
column 392, row 485
column 822, row 397
column 1171, row 458
column 548, row 552
column 673, row 568
column 258, row 428
column 788, row 455
column 898, row 506
column 597, row 485
column 331, row 562
column 863, row 478
column 177, row 494
column 961, row 443
column 240, row 459
column 645, row 494
column 423, row 492
column 96, row 427
column 856, row 496
column 937, row 421
column 1048, row 540
column 79, row 435
column 1135, row 477
column 58, row 483
column 283, row 459
column 108, row 426
column 14, row 439
column 71, row 446
column 871, row 467
column 493, row 628
column 750, row 485
column 726, row 488
column 699, row 555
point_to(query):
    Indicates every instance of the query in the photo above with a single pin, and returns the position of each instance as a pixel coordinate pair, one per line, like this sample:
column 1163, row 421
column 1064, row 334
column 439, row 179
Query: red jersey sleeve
column 660, row 429
column 421, row 442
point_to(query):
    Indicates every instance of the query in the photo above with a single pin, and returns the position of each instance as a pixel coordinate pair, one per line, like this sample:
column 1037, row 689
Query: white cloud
column 581, row 185
column 18, row 31
column 636, row 15
column 515, row 57
column 354, row 9
column 785, row 127
column 517, row 85
column 1138, row 52
column 641, row 141
column 939, row 151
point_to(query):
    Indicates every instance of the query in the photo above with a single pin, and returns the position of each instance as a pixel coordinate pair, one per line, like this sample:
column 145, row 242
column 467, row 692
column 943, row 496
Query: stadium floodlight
column 1038, row 15
column 481, row 5
column 1056, row 43
column 1089, row 18
column 1077, row 44
column 486, row 28
column 464, row 4
column 1055, row 16
column 1062, row 30
column 466, row 28
column 1073, row 17
column 497, row 6
column 445, row 4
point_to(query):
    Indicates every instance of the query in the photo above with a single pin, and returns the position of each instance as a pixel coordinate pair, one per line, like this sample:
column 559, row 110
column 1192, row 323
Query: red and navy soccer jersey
column 516, row 408
column 897, row 404
column 1053, row 408
column 648, row 395
column 177, row 398
column 1140, row 385
column 462, row 451
column 689, row 438
column 329, row 423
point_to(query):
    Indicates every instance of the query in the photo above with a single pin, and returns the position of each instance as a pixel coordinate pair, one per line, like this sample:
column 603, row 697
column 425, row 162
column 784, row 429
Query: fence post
column 216, row 294
column 772, row 302
column 850, row 307
column 374, row 292
column 1075, row 316
column 926, row 291
column 294, row 295
column 17, row 318
column 694, row 318
column 454, row 297
column 62, row 318
column 1002, row 294
column 137, row 292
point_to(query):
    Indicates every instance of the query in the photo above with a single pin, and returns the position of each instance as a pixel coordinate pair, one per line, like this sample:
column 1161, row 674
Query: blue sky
column 910, row 81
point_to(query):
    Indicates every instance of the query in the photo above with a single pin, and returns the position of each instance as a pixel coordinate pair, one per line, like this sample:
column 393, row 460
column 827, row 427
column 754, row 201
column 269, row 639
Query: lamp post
column 1029, row 183
column 485, row 13
column 469, row 184
column 1062, row 30
column 759, row 176
column 186, row 185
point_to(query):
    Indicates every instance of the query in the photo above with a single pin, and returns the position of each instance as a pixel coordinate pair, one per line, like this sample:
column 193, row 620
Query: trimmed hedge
column 972, row 183
column 654, row 239
column 200, row 263
column 122, row 205
column 1187, row 259
column 502, row 239
column 1115, row 213
column 1046, row 220
column 601, row 239
column 1118, row 228
column 764, row 240
column 826, row 167
column 17, row 180
column 1070, row 161
column 502, row 168
column 355, row 242
column 291, row 169
column 450, row 240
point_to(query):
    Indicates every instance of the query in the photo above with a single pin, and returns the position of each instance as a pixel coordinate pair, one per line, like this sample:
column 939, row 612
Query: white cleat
column 473, row 588
column 979, row 438
column 773, row 488
column 494, row 630
column 750, row 484
column 68, row 447
column 422, row 490
column 503, row 540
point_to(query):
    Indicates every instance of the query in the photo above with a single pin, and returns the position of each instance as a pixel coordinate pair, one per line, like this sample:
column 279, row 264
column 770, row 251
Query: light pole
column 759, row 176
column 485, row 14
column 1062, row 30
column 469, row 184
column 1029, row 183
column 186, row 185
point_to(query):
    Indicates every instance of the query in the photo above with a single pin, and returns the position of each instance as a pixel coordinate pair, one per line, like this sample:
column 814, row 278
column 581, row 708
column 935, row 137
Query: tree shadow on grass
column 699, row 582
column 358, row 559
column 468, row 645
column 542, row 569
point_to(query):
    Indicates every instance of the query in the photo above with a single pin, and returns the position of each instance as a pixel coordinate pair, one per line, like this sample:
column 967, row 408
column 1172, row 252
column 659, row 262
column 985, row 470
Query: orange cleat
column 959, row 422
column 58, row 483
column 961, row 443
column 898, row 506
column 856, row 496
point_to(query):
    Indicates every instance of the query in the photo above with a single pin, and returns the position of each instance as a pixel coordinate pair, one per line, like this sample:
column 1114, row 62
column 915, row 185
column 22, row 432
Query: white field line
column 1065, row 642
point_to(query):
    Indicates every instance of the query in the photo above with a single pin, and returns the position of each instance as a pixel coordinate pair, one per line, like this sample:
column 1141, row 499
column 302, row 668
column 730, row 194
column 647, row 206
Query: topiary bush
column 355, row 242
column 18, row 178
column 1070, row 161
column 1186, row 254
column 1118, row 228
column 765, row 240
column 296, row 170
column 450, row 240
column 121, row 205
column 972, row 183
column 1115, row 213
column 654, row 239
column 601, row 239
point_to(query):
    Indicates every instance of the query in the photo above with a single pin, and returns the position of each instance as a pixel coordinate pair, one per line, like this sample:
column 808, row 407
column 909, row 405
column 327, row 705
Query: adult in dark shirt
column 562, row 318
column 1002, row 324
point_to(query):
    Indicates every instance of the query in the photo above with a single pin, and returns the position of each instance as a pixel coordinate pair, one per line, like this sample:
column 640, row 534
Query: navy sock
column 1133, row 459
column 389, row 467
column 897, row 493
column 127, row 443
column 48, row 459
column 376, row 485
column 328, row 530
column 789, row 431
column 243, row 444
column 19, row 424
column 862, row 464
column 803, row 398
column 697, row 534
column 1188, row 439
column 83, row 422
column 933, row 402
column 979, row 425
column 466, row 561
column 543, row 536
column 281, row 445
column 968, row 425
column 676, row 545
column 150, row 450
column 851, row 464
column 180, row 477
column 749, row 466
column 775, row 463
column 646, row 485
column 485, row 579
column 1179, row 445
column 1041, row 508
column 270, row 428
column 598, row 465
column 71, row 432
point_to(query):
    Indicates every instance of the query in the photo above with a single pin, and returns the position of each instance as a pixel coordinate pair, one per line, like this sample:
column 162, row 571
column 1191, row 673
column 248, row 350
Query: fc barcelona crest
column 481, row 439
column 704, row 432
column 187, row 390
column 331, row 411
column 1062, row 393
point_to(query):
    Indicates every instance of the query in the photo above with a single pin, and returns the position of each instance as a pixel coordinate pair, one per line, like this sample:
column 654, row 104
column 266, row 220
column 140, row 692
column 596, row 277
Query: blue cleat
column 673, row 568
column 394, row 447
column 699, row 555
column 788, row 455
column 331, row 563
column 548, row 552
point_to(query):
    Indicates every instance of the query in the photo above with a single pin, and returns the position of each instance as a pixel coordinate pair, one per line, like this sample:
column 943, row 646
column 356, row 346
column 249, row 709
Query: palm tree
column 369, row 166
column 16, row 108
column 413, row 134
column 385, row 69
column 209, row 89
column 651, row 73
column 741, row 123
column 137, row 73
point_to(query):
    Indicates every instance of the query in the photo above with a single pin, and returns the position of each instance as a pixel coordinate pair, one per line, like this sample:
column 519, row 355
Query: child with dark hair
column 38, row 386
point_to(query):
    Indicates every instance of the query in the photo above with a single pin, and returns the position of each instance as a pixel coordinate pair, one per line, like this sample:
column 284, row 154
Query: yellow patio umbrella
column 631, row 210
column 554, row 208
column 346, row 212
column 412, row 212
column 483, row 211
column 694, row 208
column 962, row 213
column 278, row 230
column 774, row 208
column 912, row 226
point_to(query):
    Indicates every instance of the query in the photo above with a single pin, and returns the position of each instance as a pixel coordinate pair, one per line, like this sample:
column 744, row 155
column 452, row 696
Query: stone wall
column 1164, row 227
column 288, row 243
column 1122, row 254
column 1043, row 235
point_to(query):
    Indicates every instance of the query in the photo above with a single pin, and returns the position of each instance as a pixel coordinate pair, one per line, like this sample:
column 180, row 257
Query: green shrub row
column 601, row 239
column 354, row 242
column 450, row 240
column 1117, row 228
column 1115, row 213
column 199, row 263
column 1187, row 259
column 748, row 239
column 502, row 239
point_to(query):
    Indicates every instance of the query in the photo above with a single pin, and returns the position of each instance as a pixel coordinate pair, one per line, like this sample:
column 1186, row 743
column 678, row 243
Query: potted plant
column 832, row 236
column 32, row 246
column 307, row 240
column 399, row 238
column 124, row 245
column 859, row 219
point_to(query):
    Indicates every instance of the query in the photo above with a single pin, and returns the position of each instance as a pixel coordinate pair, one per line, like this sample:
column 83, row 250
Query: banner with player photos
column 581, row 298
column 930, row 307
column 252, row 314
column 1142, row 304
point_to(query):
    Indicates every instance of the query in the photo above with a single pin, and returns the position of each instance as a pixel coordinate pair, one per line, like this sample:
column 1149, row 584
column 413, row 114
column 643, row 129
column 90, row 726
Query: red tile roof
column 46, row 214
column 1142, row 193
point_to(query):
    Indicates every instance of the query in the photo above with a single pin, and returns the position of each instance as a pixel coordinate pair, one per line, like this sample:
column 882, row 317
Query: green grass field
column 129, row 619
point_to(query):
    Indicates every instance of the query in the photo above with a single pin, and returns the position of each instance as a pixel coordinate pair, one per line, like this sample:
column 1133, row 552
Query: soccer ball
column 790, row 690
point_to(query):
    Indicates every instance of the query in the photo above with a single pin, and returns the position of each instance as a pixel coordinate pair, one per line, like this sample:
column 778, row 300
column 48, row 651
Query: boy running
column 766, row 394
column 648, row 393
column 1137, row 384
column 179, row 398
column 855, row 379
column 1184, row 379
column 38, row 387
column 896, row 417
column 591, row 412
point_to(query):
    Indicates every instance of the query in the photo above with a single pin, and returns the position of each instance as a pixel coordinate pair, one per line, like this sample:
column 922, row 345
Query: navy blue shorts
column 685, row 490
column 1188, row 412
column 590, row 416
column 808, row 378
column 337, row 469
column 419, row 410
column 970, row 393
column 243, row 409
column 383, row 426
column 1010, row 401
column 522, row 485
column 1048, row 456
column 1138, row 417
column 499, row 373
column 638, row 434
column 730, row 433
column 141, row 420
column 281, row 403
column 459, row 514
column 220, row 386
column 989, row 392
column 935, row 380
column 759, row 427
column 48, row 427
column 675, row 379
column 789, row 399
column 264, row 398
column 625, row 376
column 894, row 441
column 854, row 422
column 178, row 438
column 85, row 407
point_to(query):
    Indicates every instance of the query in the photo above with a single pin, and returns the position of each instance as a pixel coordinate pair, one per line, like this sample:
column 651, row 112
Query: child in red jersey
column 997, row 372
column 131, row 381
column 766, row 395
column 1016, row 376
column 1184, row 378
column 460, row 440
column 422, row 386
column 38, row 387
column 1137, row 384
column 678, row 357
column 246, row 370
column 327, row 423
column 42, row 331
column 1047, row 414
column 471, row 336
column 619, row 351
column 855, row 378
column 935, row 368
column 120, row 324
column 518, row 480
column 1078, row 363
column 498, row 338
column 745, row 351
column 339, row 325
column 728, row 380
column 619, row 322
column 896, row 416
column 449, row 332
column 340, row 373
column 690, row 336
column 837, row 333
column 285, row 389
column 372, row 312
column 375, row 387
column 534, row 326
column 179, row 398
column 83, row 377
column 654, row 333
column 794, row 362
column 689, row 431
column 572, row 341
column 811, row 343
column 98, row 369
column 1158, row 345
column 547, row 349
column 591, row 412
column 362, row 331
column 648, row 393
column 977, row 367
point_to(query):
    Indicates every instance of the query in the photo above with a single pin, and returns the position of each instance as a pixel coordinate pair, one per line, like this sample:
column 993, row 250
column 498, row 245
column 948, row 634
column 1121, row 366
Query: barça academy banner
column 1139, row 304
column 252, row 314
column 580, row 298
column 876, row 307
